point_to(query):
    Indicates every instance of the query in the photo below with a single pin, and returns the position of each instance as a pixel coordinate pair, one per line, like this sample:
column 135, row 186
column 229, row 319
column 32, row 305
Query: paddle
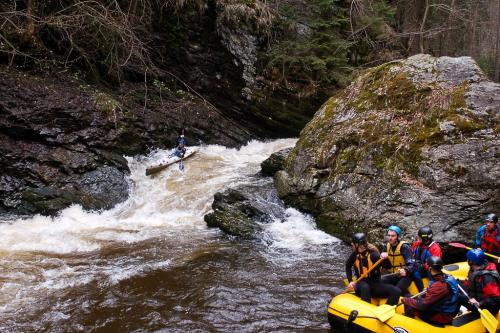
column 469, row 248
column 181, row 165
column 489, row 322
column 386, row 311
column 364, row 275
column 383, row 276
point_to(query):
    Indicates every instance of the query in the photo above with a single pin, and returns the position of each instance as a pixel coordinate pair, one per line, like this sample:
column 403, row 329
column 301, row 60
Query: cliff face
column 62, row 144
column 414, row 143
column 65, row 128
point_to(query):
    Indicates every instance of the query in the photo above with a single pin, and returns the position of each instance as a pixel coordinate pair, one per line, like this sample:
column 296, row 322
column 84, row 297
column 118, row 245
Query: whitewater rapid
column 44, row 261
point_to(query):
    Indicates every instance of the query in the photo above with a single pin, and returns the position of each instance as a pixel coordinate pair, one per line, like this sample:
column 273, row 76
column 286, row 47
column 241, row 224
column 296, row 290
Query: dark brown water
column 152, row 265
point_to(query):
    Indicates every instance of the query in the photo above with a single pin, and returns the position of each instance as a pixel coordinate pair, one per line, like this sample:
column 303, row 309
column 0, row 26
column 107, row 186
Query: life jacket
column 421, row 254
column 475, row 288
column 361, row 268
column 396, row 258
column 178, row 151
column 489, row 241
column 451, row 303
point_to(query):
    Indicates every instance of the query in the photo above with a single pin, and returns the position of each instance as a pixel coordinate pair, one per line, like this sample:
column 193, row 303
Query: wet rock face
column 413, row 143
column 239, row 211
column 63, row 145
column 275, row 162
column 53, row 155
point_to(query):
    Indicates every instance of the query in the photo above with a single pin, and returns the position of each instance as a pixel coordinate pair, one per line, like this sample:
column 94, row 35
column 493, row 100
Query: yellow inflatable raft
column 348, row 313
column 459, row 270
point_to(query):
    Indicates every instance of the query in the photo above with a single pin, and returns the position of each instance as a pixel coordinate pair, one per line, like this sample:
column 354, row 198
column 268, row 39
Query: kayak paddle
column 364, row 275
column 462, row 246
column 489, row 322
column 386, row 311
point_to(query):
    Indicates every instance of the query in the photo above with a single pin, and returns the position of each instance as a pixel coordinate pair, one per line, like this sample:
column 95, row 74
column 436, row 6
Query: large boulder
column 275, row 162
column 412, row 142
column 241, row 211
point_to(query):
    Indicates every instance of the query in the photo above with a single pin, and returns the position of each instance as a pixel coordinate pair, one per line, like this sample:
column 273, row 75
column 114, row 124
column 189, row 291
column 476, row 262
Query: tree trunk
column 450, row 32
column 422, row 27
column 27, row 39
column 497, row 46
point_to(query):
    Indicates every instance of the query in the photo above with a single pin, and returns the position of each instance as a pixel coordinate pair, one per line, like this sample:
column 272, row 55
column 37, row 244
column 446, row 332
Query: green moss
column 443, row 161
column 381, row 70
column 458, row 99
column 457, row 172
column 337, row 226
column 330, row 106
column 107, row 104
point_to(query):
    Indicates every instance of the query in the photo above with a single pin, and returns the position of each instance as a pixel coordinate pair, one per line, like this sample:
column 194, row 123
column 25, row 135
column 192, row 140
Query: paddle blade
column 181, row 166
column 458, row 245
column 489, row 322
column 384, row 312
column 347, row 281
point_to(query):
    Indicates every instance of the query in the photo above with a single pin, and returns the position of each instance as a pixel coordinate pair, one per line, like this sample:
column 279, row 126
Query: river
column 152, row 265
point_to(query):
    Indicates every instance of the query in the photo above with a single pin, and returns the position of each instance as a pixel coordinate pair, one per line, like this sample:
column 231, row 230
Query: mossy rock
column 410, row 142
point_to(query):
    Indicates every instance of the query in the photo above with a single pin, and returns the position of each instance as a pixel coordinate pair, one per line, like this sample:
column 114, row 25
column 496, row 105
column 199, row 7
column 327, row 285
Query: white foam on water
column 170, row 200
column 296, row 231
column 42, row 254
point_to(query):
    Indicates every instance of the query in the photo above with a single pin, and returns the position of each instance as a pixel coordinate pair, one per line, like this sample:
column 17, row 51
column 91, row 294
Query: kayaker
column 488, row 237
column 424, row 248
column 440, row 304
column 180, row 150
column 482, row 283
column 399, row 258
column 362, row 258
column 178, row 139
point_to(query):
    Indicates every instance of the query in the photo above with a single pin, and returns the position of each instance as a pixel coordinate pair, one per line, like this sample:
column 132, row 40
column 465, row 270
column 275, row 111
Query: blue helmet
column 476, row 256
column 396, row 229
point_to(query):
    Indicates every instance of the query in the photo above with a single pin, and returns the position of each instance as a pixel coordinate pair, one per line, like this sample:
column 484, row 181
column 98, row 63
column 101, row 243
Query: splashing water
column 72, row 269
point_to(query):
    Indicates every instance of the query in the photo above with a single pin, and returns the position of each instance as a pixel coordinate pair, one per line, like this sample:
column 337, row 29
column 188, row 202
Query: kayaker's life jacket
column 489, row 241
column 361, row 268
column 451, row 303
column 178, row 151
column 395, row 257
column 421, row 254
column 475, row 288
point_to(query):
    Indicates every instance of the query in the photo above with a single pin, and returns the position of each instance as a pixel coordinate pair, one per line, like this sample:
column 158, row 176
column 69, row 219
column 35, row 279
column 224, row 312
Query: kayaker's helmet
column 425, row 233
column 359, row 239
column 476, row 256
column 492, row 218
column 435, row 263
column 396, row 229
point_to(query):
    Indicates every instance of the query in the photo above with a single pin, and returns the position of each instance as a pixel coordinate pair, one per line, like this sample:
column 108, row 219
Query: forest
column 305, row 50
